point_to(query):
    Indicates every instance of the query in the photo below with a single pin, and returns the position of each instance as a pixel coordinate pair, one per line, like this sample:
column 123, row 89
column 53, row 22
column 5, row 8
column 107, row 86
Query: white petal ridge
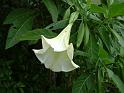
column 57, row 54
column 59, row 43
column 56, row 61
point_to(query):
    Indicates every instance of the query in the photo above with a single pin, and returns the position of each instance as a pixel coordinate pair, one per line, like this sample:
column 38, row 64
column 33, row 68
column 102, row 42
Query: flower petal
column 44, row 42
column 62, row 62
column 59, row 43
column 57, row 54
column 56, row 61
column 39, row 54
column 70, row 51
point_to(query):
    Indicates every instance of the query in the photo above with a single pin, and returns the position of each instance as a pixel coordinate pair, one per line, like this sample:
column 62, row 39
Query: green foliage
column 80, row 34
column 36, row 34
column 87, row 33
column 73, row 17
column 84, row 84
column 21, row 21
column 96, row 9
column 7, row 84
column 97, row 35
column 52, row 9
column 113, row 10
column 57, row 25
column 67, row 14
column 116, row 80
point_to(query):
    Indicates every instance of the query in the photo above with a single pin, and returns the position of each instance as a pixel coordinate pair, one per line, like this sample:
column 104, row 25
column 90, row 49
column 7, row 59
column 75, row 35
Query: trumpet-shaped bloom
column 57, row 53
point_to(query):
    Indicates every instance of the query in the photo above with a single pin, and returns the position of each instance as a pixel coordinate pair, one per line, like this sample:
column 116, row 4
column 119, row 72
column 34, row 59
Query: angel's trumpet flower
column 57, row 53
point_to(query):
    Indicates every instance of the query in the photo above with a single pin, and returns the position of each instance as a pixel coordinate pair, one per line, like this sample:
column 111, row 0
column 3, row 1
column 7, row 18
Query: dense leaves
column 116, row 80
column 21, row 21
column 97, row 35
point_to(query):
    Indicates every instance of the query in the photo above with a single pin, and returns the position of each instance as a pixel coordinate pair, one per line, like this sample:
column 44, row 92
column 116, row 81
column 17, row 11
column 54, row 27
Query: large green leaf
column 104, row 56
column 74, row 17
column 21, row 24
column 16, row 14
column 116, row 10
column 36, row 34
column 121, row 64
column 119, row 28
column 105, row 37
column 94, row 17
column 122, row 51
column 52, row 9
column 87, row 33
column 119, row 37
column 93, row 48
column 116, row 80
column 80, row 53
column 80, row 35
column 57, row 25
column 118, row 1
column 102, row 53
column 97, row 9
column 83, row 84
column 67, row 14
column 100, row 80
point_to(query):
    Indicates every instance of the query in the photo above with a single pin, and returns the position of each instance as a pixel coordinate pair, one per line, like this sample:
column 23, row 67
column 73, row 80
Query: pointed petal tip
column 34, row 50
column 42, row 36
column 66, row 70
column 75, row 65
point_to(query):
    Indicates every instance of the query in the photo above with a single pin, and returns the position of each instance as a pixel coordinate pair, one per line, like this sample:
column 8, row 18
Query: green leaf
column 118, row 1
column 96, row 1
column 116, row 80
column 70, row 2
column 87, row 33
column 83, row 84
column 97, row 9
column 122, row 51
column 80, row 34
column 110, row 2
column 73, row 38
column 94, row 17
column 93, row 48
column 120, row 38
column 52, row 9
column 104, row 56
column 105, row 37
column 21, row 25
column 116, row 10
column 16, row 14
column 121, row 64
column 100, row 81
column 102, row 53
column 80, row 53
column 119, row 27
column 57, row 25
column 67, row 14
column 36, row 34
column 73, row 17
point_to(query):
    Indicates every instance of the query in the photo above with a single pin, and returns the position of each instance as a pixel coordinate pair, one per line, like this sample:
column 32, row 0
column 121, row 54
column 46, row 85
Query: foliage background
column 97, row 35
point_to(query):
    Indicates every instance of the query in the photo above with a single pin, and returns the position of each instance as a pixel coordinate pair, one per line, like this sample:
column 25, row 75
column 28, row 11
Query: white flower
column 57, row 54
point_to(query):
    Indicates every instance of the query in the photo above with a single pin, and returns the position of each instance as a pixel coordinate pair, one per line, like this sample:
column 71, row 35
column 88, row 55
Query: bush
column 97, row 35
